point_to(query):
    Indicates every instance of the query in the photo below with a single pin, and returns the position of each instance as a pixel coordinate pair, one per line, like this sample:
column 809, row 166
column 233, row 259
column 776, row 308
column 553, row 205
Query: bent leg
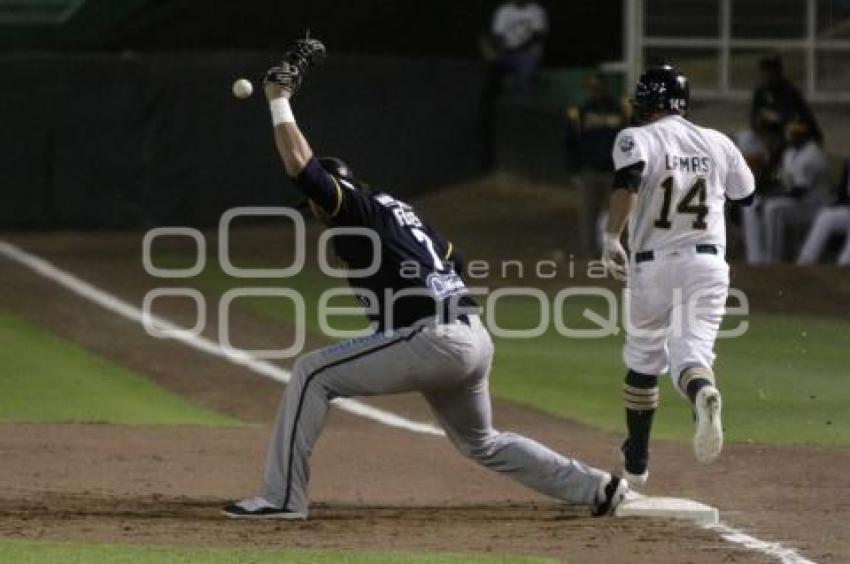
column 777, row 212
column 378, row 365
column 844, row 255
column 753, row 233
column 466, row 415
column 827, row 222
column 703, row 304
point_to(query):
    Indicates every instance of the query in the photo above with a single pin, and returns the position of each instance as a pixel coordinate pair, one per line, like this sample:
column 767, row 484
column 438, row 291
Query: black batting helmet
column 336, row 167
column 662, row 88
column 339, row 169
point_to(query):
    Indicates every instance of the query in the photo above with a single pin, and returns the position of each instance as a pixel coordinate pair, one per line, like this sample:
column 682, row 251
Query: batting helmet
column 662, row 88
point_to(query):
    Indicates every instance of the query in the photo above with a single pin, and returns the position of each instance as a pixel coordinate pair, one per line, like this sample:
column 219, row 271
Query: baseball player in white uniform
column 672, row 179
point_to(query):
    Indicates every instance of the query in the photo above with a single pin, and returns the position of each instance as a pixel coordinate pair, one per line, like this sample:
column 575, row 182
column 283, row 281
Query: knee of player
column 307, row 363
column 480, row 448
column 301, row 370
column 693, row 378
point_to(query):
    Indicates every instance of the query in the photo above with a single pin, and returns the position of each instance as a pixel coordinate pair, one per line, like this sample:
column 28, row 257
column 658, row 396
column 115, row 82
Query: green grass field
column 778, row 385
column 25, row 552
column 782, row 381
column 49, row 380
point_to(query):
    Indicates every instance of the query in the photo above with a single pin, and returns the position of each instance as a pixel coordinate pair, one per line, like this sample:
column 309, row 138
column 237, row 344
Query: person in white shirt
column 512, row 46
column 804, row 178
column 515, row 39
column 671, row 182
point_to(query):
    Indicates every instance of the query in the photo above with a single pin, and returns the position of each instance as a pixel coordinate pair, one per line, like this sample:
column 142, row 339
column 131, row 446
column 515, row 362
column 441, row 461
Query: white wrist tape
column 281, row 111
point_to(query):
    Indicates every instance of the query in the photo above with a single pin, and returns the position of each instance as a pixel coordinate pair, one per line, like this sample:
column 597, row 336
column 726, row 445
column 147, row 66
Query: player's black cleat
column 259, row 508
column 610, row 496
column 635, row 462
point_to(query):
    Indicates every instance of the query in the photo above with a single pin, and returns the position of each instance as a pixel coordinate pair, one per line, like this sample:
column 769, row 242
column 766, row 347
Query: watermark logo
column 662, row 312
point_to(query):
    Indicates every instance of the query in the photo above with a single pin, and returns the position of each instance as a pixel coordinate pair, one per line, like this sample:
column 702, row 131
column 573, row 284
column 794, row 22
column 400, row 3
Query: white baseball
column 243, row 88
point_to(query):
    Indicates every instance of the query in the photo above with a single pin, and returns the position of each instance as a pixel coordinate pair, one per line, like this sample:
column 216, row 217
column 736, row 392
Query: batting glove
column 614, row 256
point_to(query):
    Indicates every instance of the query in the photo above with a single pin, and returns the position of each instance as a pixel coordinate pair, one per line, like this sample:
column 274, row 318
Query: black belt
column 448, row 312
column 647, row 256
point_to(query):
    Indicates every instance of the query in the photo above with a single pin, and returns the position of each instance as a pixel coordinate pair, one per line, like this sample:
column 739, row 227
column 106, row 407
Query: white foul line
column 238, row 357
column 774, row 549
column 265, row 368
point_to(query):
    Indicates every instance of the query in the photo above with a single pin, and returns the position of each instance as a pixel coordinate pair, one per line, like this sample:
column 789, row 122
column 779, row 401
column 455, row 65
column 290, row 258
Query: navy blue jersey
column 417, row 274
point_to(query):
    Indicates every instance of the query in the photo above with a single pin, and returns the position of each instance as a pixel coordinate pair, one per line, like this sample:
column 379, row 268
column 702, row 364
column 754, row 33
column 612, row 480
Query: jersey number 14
column 687, row 204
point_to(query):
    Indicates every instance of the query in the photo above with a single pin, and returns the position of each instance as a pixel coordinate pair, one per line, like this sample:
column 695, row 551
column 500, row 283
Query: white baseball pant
column 675, row 304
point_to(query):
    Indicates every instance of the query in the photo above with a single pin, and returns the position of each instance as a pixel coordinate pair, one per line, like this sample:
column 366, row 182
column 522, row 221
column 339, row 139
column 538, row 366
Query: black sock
column 694, row 386
column 641, row 396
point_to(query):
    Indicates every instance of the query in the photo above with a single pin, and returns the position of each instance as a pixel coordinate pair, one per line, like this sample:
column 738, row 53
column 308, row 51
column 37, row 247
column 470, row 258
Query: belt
column 647, row 256
column 448, row 313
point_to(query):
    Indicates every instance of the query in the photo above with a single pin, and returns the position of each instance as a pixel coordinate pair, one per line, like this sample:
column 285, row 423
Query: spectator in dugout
column 590, row 133
column 804, row 188
column 830, row 221
column 776, row 101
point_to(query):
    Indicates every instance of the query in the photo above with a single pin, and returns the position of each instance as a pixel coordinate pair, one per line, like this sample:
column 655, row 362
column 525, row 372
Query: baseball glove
column 297, row 62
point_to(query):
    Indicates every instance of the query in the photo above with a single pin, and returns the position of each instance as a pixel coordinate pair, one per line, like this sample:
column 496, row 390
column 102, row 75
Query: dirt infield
column 374, row 487
column 150, row 487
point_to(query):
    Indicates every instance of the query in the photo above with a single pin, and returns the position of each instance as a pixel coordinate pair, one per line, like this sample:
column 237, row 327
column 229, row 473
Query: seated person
column 804, row 178
column 832, row 220
column 776, row 102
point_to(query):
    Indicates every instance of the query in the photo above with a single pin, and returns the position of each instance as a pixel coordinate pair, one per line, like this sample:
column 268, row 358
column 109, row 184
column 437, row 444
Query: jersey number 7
column 685, row 205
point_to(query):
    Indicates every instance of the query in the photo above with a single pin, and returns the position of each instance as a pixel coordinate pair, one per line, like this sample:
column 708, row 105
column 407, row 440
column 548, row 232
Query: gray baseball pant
column 450, row 365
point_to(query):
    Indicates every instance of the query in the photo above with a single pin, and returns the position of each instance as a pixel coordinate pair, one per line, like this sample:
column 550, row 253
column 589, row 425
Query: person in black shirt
column 776, row 102
column 591, row 130
column 429, row 341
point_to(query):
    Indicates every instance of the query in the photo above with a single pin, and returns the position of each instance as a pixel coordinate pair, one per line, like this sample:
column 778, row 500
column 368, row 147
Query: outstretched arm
column 292, row 146
column 297, row 155
column 281, row 84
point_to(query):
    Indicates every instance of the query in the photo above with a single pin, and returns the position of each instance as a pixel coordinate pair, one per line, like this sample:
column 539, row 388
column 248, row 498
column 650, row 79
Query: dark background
column 123, row 116
column 582, row 32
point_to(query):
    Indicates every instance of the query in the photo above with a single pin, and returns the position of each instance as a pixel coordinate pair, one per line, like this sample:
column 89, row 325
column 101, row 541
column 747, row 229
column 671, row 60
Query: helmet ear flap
column 336, row 167
column 340, row 170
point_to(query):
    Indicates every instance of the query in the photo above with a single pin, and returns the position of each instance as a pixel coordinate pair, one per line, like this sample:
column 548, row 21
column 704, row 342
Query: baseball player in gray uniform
column 428, row 337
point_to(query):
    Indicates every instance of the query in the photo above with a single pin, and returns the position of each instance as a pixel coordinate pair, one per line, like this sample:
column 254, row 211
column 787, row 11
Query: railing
column 718, row 43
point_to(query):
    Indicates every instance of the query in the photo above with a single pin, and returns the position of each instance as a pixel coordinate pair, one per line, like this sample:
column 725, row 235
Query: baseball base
column 669, row 508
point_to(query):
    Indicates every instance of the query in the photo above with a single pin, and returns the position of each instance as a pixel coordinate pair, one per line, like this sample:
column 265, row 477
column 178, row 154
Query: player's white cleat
column 708, row 437
column 636, row 479
column 259, row 508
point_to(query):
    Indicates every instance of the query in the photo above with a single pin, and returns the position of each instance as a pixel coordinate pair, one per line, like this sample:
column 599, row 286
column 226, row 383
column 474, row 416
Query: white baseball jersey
column 688, row 172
